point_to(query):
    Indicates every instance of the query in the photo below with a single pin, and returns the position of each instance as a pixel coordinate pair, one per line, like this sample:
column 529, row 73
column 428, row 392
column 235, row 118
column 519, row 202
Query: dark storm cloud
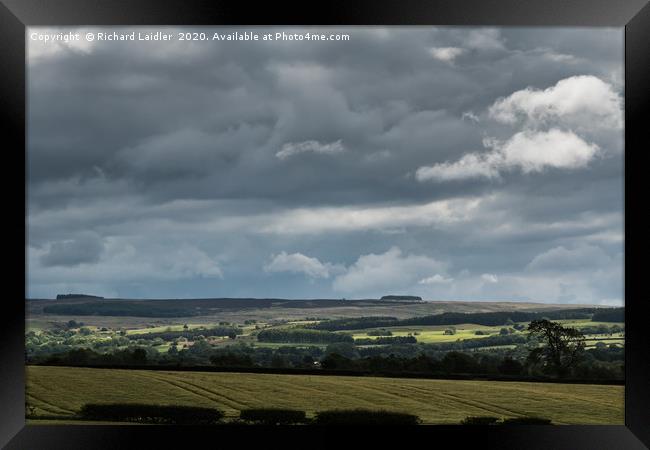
column 219, row 113
column 85, row 248
column 189, row 149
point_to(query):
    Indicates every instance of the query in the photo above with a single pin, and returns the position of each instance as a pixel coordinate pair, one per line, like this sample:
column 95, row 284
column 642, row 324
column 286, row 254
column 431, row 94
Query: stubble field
column 57, row 393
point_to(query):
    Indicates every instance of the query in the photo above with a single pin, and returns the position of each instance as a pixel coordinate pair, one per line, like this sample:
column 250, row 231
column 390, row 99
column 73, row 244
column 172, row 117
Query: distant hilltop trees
column 74, row 296
column 401, row 297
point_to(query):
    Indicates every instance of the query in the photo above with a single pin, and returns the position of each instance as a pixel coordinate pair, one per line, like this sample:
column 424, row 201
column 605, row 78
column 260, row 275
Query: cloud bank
column 430, row 161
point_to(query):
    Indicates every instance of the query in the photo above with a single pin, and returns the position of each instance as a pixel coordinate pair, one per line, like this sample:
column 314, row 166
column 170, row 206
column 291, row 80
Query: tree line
column 549, row 350
column 384, row 340
column 609, row 315
column 302, row 336
column 455, row 318
column 191, row 334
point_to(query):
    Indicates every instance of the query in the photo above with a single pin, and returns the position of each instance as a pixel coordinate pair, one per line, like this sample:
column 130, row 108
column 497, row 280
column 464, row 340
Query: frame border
column 634, row 15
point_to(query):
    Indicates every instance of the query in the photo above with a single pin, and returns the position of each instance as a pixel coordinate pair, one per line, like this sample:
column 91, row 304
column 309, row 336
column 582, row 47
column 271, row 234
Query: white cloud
column 119, row 216
column 559, row 57
column 374, row 274
column 189, row 262
column 377, row 157
column 447, row 54
column 293, row 148
column 469, row 115
column 299, row 263
column 124, row 261
column 528, row 151
column 489, row 278
column 472, row 165
column 579, row 101
column 599, row 285
column 533, row 151
column 320, row 220
column 484, row 39
column 301, row 75
column 583, row 103
column 436, row 279
column 560, row 258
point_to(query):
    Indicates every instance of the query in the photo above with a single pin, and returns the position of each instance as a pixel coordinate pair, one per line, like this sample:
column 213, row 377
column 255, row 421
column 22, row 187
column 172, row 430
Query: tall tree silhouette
column 562, row 346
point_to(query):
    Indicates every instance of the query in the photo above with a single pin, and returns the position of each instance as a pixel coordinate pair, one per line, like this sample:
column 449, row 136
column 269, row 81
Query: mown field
column 59, row 392
column 433, row 334
column 430, row 334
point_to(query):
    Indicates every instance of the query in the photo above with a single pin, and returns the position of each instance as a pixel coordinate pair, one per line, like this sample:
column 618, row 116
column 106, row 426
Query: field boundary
column 326, row 372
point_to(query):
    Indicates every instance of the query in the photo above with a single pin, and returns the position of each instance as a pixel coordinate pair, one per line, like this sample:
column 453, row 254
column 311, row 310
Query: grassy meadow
column 57, row 393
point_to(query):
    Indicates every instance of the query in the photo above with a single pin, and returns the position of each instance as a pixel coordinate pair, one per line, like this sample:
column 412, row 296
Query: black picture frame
column 15, row 15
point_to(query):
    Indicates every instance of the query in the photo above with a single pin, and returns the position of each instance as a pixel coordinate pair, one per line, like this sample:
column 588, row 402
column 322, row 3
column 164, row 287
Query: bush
column 337, row 362
column 457, row 362
column 273, row 416
column 230, row 359
column 346, row 349
column 526, row 421
column 379, row 333
column 509, row 366
column 193, row 334
column 491, row 420
column 302, row 335
column 364, row 417
column 387, row 340
column 158, row 414
column 479, row 420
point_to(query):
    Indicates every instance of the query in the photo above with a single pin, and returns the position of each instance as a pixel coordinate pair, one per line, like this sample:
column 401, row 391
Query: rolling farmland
column 57, row 393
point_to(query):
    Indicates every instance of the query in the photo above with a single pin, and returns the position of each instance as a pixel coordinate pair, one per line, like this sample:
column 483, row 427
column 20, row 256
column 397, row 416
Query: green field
column 432, row 334
column 59, row 392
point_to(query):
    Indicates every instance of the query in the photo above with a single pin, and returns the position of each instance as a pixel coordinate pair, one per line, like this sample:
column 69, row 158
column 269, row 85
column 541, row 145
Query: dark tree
column 139, row 356
column 509, row 366
column 231, row 359
column 336, row 361
column 308, row 361
column 457, row 362
column 562, row 346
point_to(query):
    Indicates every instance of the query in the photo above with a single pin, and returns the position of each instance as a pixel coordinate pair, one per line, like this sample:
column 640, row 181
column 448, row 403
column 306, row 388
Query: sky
column 453, row 163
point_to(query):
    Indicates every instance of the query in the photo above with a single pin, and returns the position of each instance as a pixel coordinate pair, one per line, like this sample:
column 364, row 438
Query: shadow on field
column 193, row 415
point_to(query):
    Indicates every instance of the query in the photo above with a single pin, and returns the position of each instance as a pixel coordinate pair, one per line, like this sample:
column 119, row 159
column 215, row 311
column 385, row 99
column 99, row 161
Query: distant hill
column 83, row 306
column 76, row 296
column 403, row 308
column 401, row 297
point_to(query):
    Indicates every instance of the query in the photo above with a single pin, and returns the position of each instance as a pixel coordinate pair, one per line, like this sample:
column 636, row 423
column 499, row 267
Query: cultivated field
column 59, row 392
